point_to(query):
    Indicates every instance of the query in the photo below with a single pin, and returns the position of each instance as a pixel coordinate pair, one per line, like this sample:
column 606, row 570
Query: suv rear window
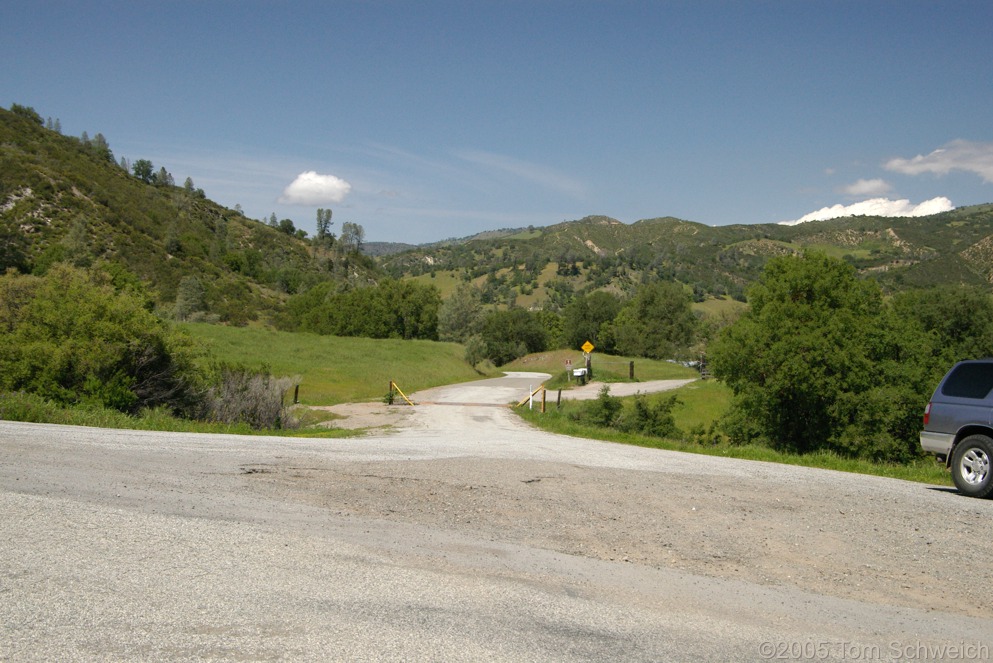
column 969, row 381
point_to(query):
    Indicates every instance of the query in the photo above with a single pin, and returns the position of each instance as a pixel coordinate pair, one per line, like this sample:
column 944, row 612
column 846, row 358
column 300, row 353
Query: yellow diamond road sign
column 587, row 347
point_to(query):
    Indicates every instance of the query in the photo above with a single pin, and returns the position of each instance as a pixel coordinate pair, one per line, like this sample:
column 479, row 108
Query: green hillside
column 955, row 247
column 66, row 199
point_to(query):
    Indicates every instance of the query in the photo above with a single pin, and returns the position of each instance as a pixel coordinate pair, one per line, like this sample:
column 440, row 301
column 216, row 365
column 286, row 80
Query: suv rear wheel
column 971, row 468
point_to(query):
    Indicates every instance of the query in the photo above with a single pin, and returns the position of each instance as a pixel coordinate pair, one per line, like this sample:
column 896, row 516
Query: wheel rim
column 975, row 466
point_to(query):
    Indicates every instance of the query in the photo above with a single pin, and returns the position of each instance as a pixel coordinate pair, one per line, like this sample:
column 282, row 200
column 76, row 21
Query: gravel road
column 462, row 534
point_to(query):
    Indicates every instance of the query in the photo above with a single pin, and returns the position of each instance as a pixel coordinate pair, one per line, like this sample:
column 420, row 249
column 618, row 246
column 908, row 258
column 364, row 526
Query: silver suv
column 958, row 425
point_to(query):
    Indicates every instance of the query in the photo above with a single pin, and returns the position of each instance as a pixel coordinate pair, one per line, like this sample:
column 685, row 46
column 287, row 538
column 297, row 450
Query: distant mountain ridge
column 599, row 251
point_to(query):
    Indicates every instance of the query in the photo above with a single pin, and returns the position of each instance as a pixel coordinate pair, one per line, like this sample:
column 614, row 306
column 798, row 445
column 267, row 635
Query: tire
column 972, row 466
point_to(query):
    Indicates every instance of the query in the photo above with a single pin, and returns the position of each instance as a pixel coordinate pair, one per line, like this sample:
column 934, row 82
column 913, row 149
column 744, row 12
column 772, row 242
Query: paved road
column 591, row 390
column 464, row 536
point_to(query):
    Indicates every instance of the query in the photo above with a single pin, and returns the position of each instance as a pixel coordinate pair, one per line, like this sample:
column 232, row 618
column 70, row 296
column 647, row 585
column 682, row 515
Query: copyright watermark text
column 822, row 650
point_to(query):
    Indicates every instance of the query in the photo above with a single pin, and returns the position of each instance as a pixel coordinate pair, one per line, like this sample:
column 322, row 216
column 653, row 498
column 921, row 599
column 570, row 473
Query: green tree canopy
column 819, row 363
column 391, row 309
column 101, row 148
column 27, row 112
column 190, row 298
column 164, row 178
column 586, row 315
column 957, row 319
column 143, row 170
column 657, row 323
column 324, row 234
column 460, row 315
column 352, row 236
column 513, row 333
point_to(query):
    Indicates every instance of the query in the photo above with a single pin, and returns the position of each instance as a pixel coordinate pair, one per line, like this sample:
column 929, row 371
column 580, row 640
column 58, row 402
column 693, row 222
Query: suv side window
column 969, row 381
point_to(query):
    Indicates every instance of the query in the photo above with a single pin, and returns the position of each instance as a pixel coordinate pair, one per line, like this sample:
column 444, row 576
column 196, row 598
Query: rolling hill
column 601, row 252
column 65, row 198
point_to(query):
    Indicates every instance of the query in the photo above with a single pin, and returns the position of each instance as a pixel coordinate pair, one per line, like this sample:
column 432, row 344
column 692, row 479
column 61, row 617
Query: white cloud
column 877, row 207
column 311, row 188
column 957, row 155
column 863, row 188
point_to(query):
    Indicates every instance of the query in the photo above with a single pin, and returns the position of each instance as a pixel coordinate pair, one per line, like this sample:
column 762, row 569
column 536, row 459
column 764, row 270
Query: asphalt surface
column 468, row 536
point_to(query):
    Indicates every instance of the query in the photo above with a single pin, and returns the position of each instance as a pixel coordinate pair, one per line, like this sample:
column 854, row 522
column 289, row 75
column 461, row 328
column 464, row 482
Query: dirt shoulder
column 844, row 535
column 834, row 537
column 369, row 416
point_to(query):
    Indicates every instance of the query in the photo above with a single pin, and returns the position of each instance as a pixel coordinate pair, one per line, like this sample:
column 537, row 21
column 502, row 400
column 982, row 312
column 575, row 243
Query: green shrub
column 654, row 419
column 71, row 337
column 604, row 411
column 22, row 406
column 391, row 309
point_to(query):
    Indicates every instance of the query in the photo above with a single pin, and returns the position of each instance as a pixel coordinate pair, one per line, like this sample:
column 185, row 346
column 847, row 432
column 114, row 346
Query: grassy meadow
column 720, row 307
column 332, row 369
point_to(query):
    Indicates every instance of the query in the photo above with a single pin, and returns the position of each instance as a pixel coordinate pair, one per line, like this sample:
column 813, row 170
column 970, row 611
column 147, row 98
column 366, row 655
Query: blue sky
column 427, row 120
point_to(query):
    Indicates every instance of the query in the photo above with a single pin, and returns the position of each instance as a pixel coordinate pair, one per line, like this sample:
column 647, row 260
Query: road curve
column 467, row 535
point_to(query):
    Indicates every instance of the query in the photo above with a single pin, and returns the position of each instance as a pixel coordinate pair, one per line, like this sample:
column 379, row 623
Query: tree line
column 657, row 322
